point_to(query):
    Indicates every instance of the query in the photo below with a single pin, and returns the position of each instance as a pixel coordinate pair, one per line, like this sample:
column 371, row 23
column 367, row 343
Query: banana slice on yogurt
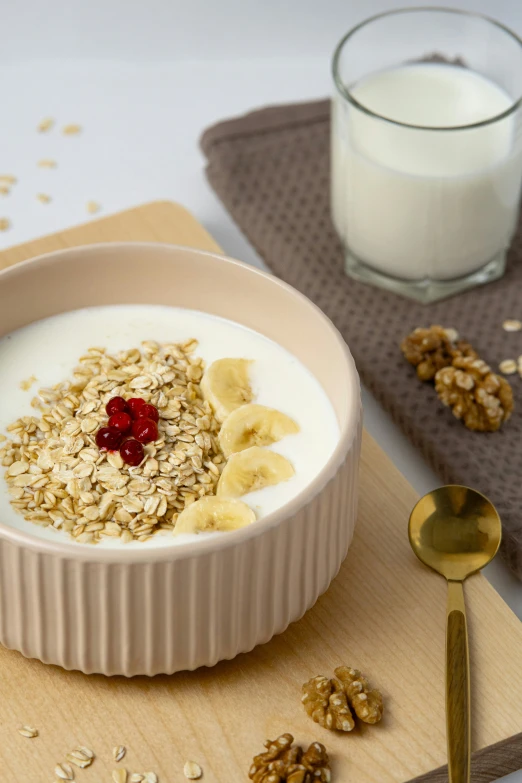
column 254, row 425
column 252, row 469
column 226, row 386
column 211, row 513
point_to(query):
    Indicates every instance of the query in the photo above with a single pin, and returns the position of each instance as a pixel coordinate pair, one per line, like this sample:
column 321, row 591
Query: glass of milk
column 426, row 150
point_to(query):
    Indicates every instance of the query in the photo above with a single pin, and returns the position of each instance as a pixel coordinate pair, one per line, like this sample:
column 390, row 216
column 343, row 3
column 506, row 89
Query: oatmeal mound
column 57, row 475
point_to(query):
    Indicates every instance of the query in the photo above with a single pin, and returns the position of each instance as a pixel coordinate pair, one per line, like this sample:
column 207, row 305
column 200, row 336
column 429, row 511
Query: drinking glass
column 426, row 150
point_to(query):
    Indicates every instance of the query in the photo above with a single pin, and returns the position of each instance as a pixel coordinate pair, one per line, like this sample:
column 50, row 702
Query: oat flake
column 45, row 125
column 192, row 771
column 508, row 366
column 64, row 772
column 28, row 731
column 72, row 130
column 118, row 752
column 512, row 325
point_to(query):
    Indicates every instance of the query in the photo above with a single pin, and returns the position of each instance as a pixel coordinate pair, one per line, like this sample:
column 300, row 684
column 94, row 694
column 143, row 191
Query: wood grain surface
column 384, row 613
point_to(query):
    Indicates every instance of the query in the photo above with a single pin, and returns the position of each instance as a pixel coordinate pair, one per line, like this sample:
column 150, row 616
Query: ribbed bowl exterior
column 132, row 611
column 167, row 616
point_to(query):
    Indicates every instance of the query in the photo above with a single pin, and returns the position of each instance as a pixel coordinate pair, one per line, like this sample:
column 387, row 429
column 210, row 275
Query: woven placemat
column 271, row 170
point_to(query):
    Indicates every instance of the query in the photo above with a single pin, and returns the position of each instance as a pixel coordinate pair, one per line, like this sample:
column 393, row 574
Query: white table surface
column 143, row 86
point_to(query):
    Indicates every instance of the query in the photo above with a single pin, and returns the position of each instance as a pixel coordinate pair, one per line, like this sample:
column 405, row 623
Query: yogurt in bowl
column 97, row 506
column 173, row 602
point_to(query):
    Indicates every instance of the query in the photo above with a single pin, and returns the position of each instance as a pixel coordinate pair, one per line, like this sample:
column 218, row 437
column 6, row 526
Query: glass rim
column 347, row 95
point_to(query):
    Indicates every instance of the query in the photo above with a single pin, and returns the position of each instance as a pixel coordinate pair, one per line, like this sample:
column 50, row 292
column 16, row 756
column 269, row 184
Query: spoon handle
column 458, row 720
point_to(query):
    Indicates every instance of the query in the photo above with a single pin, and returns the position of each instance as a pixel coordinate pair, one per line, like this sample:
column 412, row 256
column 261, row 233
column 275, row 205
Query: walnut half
column 475, row 394
column 283, row 762
column 429, row 350
column 325, row 702
column 366, row 703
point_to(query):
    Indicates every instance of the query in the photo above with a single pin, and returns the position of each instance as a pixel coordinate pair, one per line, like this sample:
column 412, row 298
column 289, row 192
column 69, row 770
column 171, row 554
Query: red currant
column 108, row 439
column 115, row 405
column 132, row 452
column 134, row 404
column 145, row 430
column 121, row 421
column 148, row 411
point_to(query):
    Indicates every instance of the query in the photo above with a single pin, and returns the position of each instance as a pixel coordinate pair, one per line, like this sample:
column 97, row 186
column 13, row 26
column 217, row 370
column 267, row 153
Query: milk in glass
column 435, row 200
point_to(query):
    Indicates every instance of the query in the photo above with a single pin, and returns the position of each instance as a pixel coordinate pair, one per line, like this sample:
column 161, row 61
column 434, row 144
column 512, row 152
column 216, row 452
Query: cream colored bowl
column 130, row 611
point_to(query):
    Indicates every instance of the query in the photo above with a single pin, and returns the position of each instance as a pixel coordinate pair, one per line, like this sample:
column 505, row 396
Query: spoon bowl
column 455, row 530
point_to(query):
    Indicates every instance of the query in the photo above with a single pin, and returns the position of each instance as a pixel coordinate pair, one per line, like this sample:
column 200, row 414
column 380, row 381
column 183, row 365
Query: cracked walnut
column 482, row 399
column 429, row 350
column 283, row 762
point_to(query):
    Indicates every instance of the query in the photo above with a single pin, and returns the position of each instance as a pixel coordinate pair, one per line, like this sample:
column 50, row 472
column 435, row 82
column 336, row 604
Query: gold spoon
column 456, row 531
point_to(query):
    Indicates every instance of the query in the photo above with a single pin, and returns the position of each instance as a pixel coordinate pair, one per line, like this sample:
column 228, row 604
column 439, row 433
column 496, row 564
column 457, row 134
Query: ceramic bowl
column 157, row 610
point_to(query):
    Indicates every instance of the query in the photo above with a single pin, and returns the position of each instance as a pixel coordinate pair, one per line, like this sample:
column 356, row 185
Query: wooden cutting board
column 384, row 613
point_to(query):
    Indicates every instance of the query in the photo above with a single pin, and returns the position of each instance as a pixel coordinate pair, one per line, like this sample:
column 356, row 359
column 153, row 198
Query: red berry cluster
column 131, row 423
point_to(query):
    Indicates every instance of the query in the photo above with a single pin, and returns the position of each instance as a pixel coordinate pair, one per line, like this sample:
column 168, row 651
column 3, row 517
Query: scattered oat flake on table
column 28, row 731
column 72, row 130
column 5, row 224
column 118, row 752
column 76, row 757
column 64, row 771
column 512, row 325
column 43, row 198
column 47, row 163
column 136, row 777
column 25, row 386
column 508, row 366
column 85, row 751
column 8, row 178
column 119, row 775
column 81, row 756
column 92, row 207
column 5, row 190
column 150, row 777
column 192, row 771
column 45, row 125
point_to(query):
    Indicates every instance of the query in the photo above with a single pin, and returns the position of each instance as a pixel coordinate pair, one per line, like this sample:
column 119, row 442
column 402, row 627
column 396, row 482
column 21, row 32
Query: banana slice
column 252, row 469
column 210, row 513
column 226, row 386
column 254, row 425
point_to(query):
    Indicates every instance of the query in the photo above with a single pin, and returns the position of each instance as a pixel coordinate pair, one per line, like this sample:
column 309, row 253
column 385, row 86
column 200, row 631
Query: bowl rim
column 190, row 549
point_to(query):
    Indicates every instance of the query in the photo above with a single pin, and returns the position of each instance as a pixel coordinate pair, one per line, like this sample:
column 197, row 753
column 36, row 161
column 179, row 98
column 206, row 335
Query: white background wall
column 173, row 30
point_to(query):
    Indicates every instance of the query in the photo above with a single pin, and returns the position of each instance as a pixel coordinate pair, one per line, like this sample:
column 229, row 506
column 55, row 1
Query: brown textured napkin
column 271, row 170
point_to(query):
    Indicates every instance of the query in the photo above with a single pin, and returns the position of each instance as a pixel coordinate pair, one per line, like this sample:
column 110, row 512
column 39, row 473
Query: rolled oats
column 118, row 752
column 58, row 477
column 512, row 325
column 45, row 125
column 64, row 772
column 192, row 771
column 508, row 366
column 72, row 130
column 28, row 731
